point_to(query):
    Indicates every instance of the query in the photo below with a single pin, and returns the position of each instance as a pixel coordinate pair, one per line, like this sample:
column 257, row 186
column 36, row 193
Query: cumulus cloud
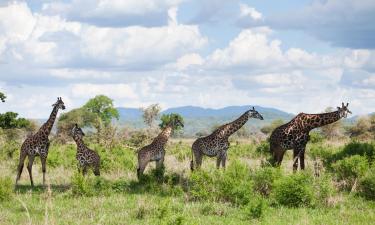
column 342, row 23
column 113, row 13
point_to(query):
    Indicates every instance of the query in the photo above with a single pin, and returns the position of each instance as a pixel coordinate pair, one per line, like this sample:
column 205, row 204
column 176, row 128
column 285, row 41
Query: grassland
column 180, row 197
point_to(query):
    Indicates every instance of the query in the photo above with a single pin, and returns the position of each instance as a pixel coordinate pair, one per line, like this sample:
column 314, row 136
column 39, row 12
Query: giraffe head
column 59, row 104
column 343, row 110
column 172, row 120
column 77, row 132
column 254, row 114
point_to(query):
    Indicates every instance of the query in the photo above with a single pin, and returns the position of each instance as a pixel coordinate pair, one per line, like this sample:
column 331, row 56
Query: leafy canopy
column 173, row 119
column 103, row 107
column 9, row 120
column 2, row 97
column 150, row 114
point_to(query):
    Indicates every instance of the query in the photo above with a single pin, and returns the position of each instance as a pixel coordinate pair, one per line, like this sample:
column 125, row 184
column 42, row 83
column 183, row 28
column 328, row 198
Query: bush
column 367, row 185
column 263, row 148
column 323, row 189
column 294, row 190
column 6, row 189
column 264, row 179
column 255, row 209
column 350, row 169
column 356, row 148
column 235, row 184
column 316, row 137
column 81, row 186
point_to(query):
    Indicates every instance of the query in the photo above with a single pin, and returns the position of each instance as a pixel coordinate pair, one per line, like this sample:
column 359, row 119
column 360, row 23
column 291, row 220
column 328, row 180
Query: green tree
column 150, row 114
column 103, row 107
column 362, row 128
column 173, row 118
column 269, row 128
column 9, row 120
column 2, row 97
column 79, row 116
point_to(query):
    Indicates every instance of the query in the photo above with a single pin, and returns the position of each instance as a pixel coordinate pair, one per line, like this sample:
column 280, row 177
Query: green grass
column 219, row 197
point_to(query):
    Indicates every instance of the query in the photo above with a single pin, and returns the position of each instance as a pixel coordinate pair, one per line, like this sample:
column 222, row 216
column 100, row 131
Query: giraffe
column 217, row 144
column 85, row 156
column 295, row 134
column 156, row 150
column 38, row 144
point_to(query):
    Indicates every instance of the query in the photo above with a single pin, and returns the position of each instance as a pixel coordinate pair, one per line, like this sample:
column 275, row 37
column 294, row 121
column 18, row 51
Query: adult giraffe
column 295, row 134
column 38, row 144
column 217, row 143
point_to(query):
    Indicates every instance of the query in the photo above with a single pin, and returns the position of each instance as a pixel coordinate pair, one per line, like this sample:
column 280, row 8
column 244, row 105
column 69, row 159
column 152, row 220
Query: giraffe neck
column 47, row 126
column 163, row 137
column 228, row 129
column 312, row 121
column 80, row 144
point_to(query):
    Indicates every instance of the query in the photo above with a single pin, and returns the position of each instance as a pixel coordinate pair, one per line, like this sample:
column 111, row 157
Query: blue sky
column 298, row 56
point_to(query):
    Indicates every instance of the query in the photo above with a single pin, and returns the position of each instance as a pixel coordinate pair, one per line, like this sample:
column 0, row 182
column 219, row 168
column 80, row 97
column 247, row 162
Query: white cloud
column 249, row 12
column 111, row 90
column 251, row 48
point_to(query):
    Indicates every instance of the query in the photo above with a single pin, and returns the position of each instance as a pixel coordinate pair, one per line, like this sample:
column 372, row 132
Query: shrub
column 201, row 186
column 323, row 189
column 6, row 189
column 263, row 148
column 81, row 186
column 255, row 209
column 294, row 190
column 316, row 137
column 367, row 185
column 356, row 148
column 264, row 179
column 235, row 184
column 350, row 169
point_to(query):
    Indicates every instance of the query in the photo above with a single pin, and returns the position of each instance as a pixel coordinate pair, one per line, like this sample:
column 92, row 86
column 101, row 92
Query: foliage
column 316, row 137
column 255, row 208
column 356, row 148
column 173, row 119
column 367, row 185
column 269, row 128
column 9, row 120
column 323, row 189
column 103, row 107
column 263, row 148
column 294, row 190
column 2, row 97
column 264, row 179
column 350, row 169
column 150, row 114
column 6, row 188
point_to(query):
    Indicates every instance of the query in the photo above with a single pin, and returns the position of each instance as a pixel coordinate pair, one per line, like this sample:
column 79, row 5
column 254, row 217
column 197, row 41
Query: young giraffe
column 295, row 134
column 217, row 144
column 38, row 144
column 156, row 150
column 85, row 156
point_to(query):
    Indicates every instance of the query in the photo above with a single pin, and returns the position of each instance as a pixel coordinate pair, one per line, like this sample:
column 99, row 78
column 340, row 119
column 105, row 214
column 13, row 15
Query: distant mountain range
column 198, row 119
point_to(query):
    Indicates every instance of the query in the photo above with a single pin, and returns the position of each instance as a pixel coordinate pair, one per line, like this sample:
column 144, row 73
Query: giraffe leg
column 279, row 157
column 84, row 170
column 198, row 159
column 29, row 168
column 141, row 169
column 218, row 160
column 20, row 165
column 295, row 159
column 44, row 160
column 160, row 163
column 224, row 159
column 97, row 170
column 302, row 159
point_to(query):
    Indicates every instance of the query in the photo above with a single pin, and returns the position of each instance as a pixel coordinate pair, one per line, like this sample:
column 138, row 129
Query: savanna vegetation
column 338, row 186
